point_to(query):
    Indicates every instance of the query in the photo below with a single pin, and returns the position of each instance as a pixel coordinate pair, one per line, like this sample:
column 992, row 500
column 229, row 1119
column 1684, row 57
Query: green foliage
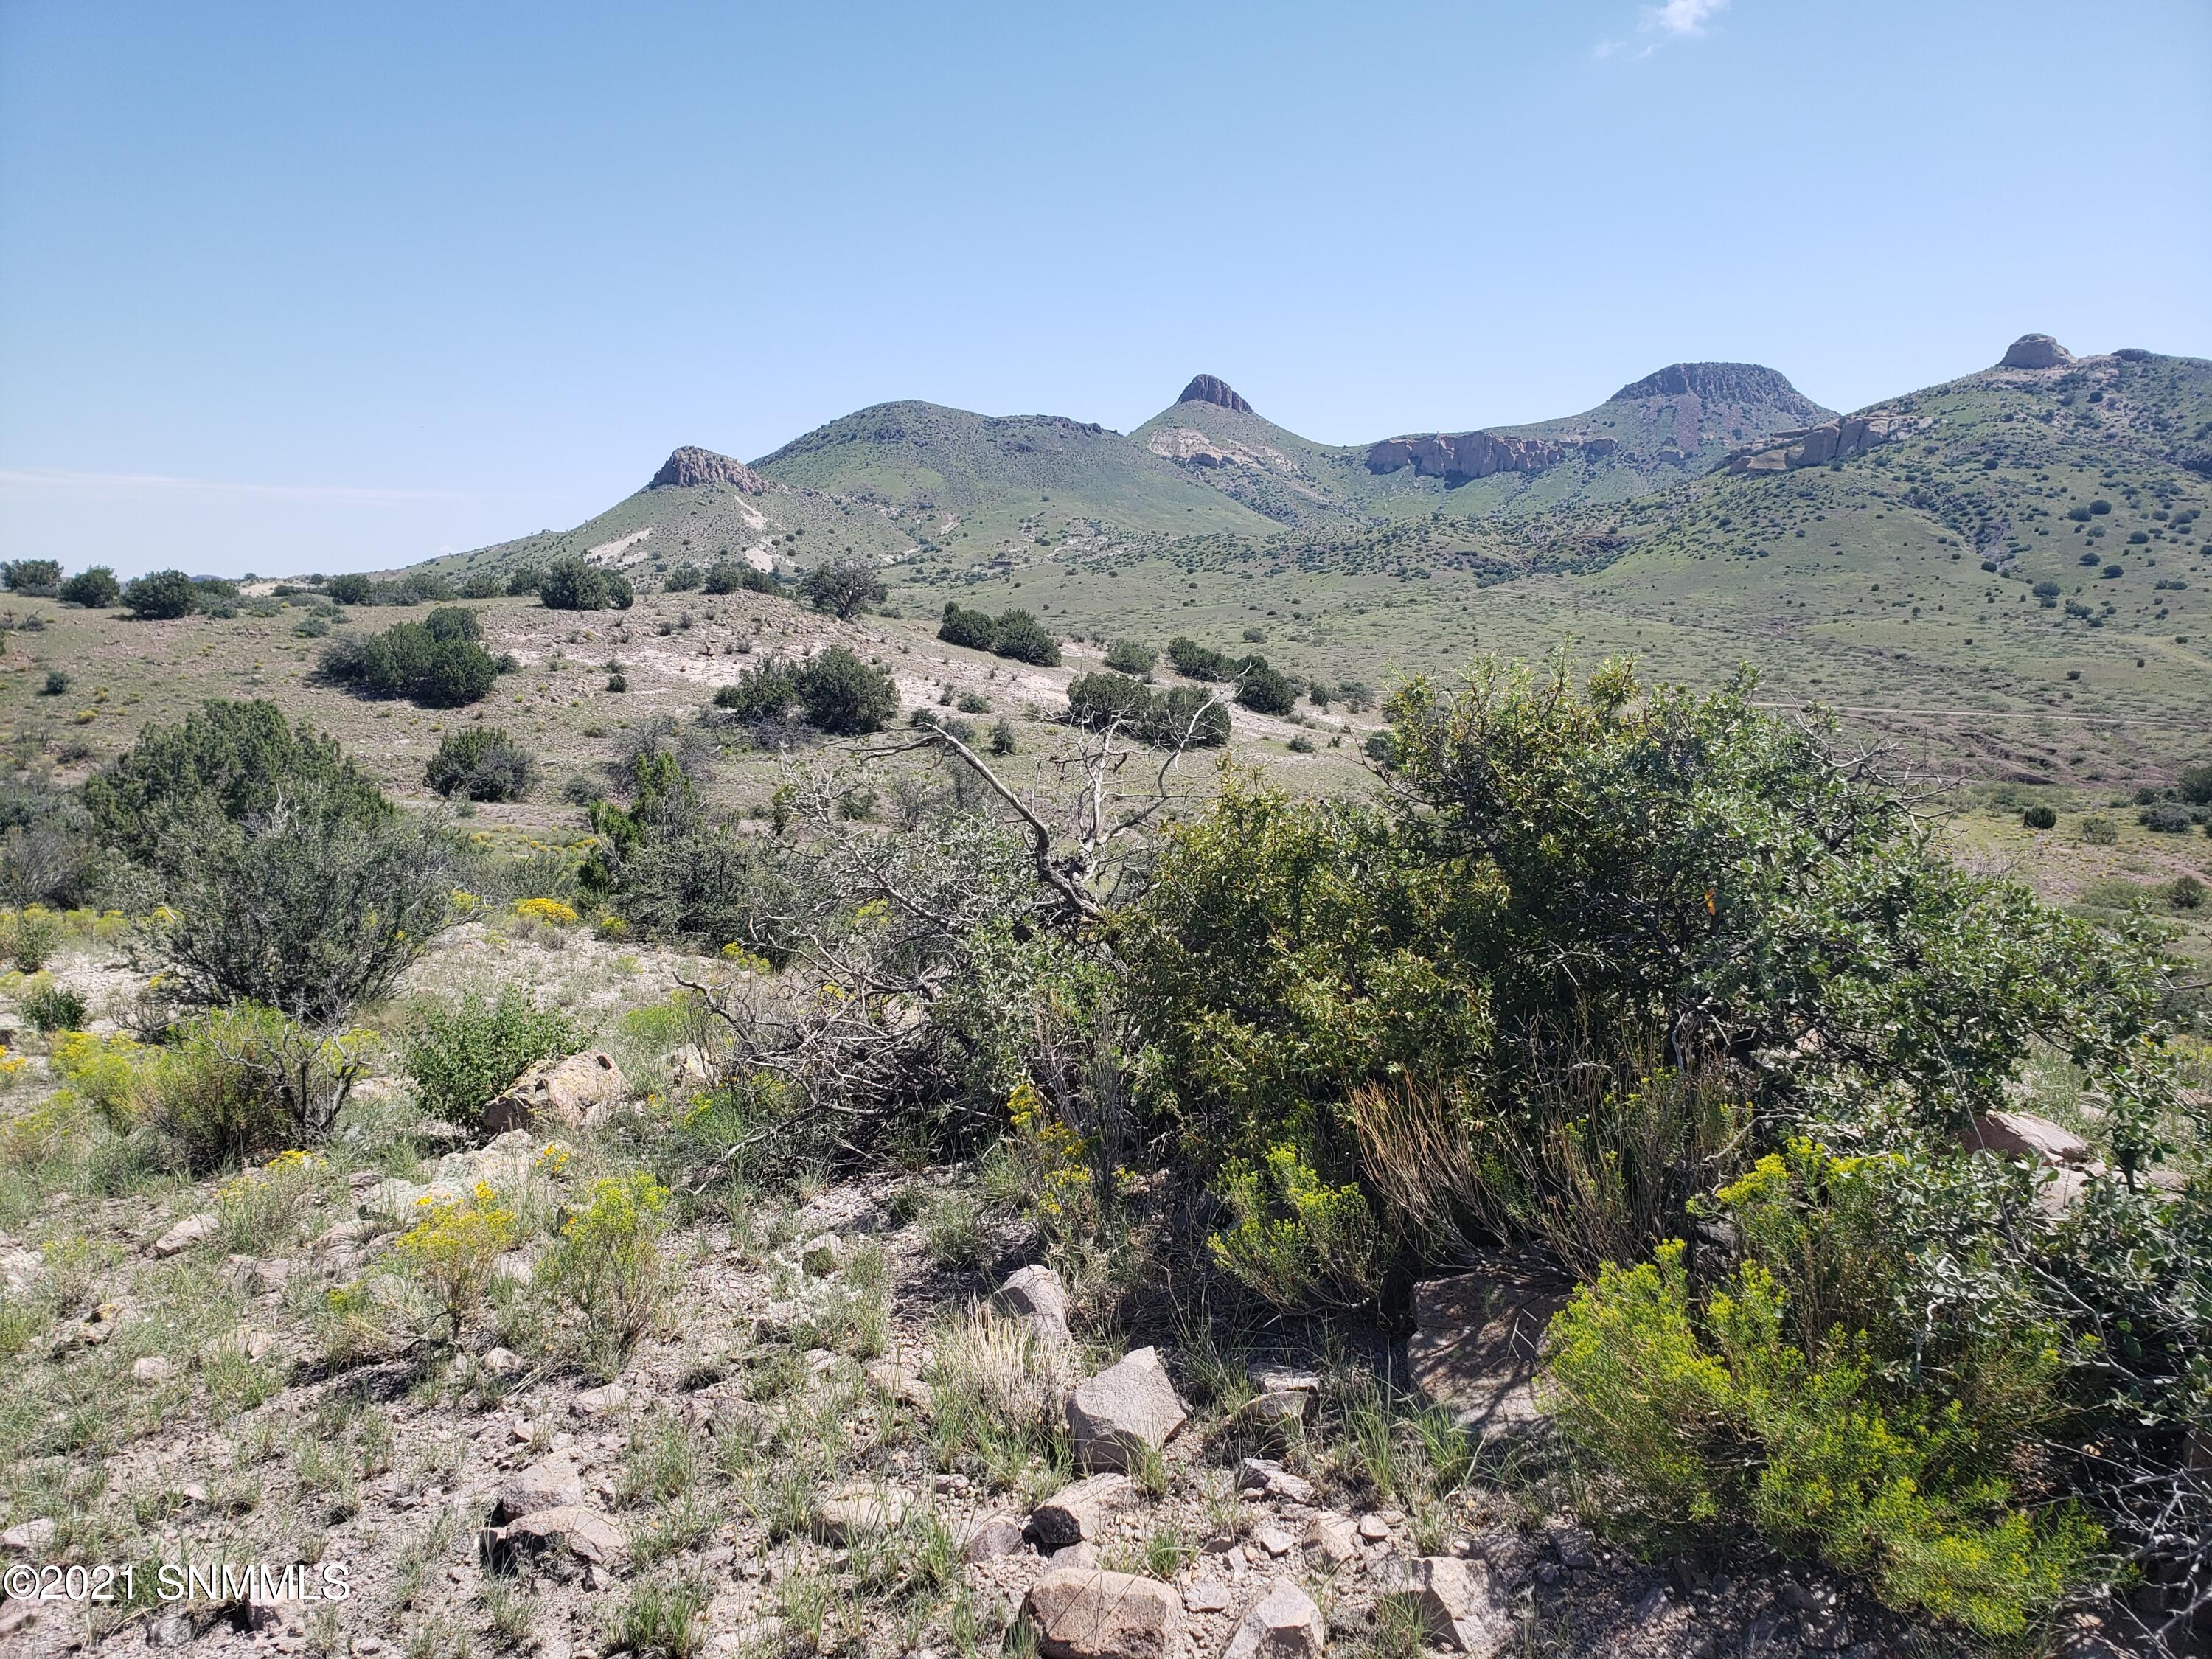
column 671, row 871
column 1293, row 1240
column 1175, row 716
column 95, row 589
column 972, row 628
column 160, row 596
column 844, row 695
column 1131, row 657
column 735, row 575
column 453, row 1247
column 50, row 1006
column 1197, row 662
column 459, row 1060
column 1264, row 690
column 1017, row 634
column 237, row 1083
column 844, row 587
column 570, row 584
column 38, row 578
column 760, row 692
column 481, row 762
column 436, row 662
column 2196, row 785
column 351, row 587
column 222, row 764
column 1803, row 1397
column 606, row 1267
column 2039, row 817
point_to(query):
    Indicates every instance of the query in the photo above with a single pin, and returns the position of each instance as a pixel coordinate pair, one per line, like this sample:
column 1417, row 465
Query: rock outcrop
column 688, row 467
column 568, row 1092
column 2035, row 351
column 1459, row 1608
column 1208, row 389
column 1717, row 383
column 1814, row 445
column 1478, row 1341
column 1463, row 455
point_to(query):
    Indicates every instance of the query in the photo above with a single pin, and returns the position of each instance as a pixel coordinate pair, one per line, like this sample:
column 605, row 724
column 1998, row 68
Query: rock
column 1035, row 1296
column 1457, row 1604
column 688, row 467
column 567, row 1091
column 1273, row 1412
column 1082, row 1615
column 2035, row 351
column 1463, row 455
column 1654, row 1603
column 21, row 1271
column 900, row 1383
column 1079, row 1510
column 513, row 1267
column 1269, row 1479
column 1373, row 1529
column 1825, row 1631
column 1333, row 1538
column 1478, row 1342
column 990, row 1536
column 184, row 1234
column 28, row 1537
column 2034, row 1139
column 1282, row 1379
column 1575, row 1548
column 501, row 1362
column 345, row 1235
column 1208, row 1595
column 600, row 1402
column 839, row 1521
column 1285, row 1623
column 583, row 1533
column 550, row 1483
column 152, row 1368
column 1274, row 1540
column 1207, row 389
column 1128, row 1408
column 1074, row 1555
column 821, row 1254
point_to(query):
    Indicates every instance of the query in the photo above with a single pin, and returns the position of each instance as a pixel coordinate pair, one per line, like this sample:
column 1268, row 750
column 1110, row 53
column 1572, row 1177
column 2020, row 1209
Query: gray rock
column 1334, row 1538
column 1270, row 1479
column 1035, row 1296
column 501, row 1362
column 153, row 1367
column 1479, row 1339
column 2035, row 351
column 600, row 1402
column 1088, row 1614
column 550, row 1483
column 839, row 1521
column 1074, row 1555
column 1456, row 1603
column 585, row 1534
column 821, row 1254
column 28, row 1537
column 1079, row 1510
column 1285, row 1623
column 1127, row 1409
column 901, row 1383
column 184, row 1234
column 1282, row 1379
column 1274, row 1412
column 988, row 1537
column 1208, row 1595
column 575, row 1091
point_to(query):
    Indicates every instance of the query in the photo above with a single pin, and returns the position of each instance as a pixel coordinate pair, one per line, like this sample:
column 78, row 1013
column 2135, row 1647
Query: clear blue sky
column 314, row 286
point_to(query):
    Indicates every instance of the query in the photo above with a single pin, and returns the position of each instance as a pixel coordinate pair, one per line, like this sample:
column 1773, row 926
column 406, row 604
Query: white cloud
column 49, row 483
column 1673, row 20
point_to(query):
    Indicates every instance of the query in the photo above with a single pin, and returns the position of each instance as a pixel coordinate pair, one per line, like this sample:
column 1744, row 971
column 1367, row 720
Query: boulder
column 1085, row 1614
column 1035, row 1296
column 2035, row 351
column 573, row 1092
column 838, row 1521
column 1459, row 1608
column 1272, row 1414
column 1079, row 1510
column 1208, row 1595
column 987, row 1537
column 1284, row 1624
column 184, row 1234
column 585, row 1534
column 1127, row 1409
column 1478, row 1341
column 1333, row 1539
column 2034, row 1139
column 550, row 1483
column 501, row 1362
column 600, row 1402
column 152, row 1368
column 1263, row 1476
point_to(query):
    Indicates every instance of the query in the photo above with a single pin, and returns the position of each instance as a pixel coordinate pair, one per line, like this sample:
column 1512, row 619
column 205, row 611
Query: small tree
column 1130, row 657
column 846, row 696
column 843, row 587
column 570, row 584
column 972, row 628
column 352, row 587
column 95, row 589
column 1020, row 635
column 160, row 596
column 482, row 762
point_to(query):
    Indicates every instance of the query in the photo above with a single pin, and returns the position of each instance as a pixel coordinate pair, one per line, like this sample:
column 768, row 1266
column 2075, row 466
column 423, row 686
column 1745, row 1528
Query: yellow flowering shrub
column 451, row 1248
column 550, row 912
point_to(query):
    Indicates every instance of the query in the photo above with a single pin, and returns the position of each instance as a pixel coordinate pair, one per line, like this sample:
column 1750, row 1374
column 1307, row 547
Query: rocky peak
column 1207, row 389
column 2035, row 351
column 1726, row 383
column 689, row 466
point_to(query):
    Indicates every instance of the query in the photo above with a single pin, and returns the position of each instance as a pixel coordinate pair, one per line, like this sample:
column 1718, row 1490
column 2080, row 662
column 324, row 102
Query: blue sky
column 287, row 288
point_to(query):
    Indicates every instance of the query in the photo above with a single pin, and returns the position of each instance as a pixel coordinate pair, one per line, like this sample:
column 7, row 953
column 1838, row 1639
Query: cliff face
column 689, row 466
column 1753, row 384
column 1206, row 389
column 1476, row 454
column 1816, row 445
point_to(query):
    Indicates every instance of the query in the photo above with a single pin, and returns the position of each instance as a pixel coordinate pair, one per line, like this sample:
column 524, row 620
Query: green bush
column 1197, row 662
column 844, row 587
column 2196, row 785
column 51, row 1006
column 2039, row 817
column 1019, row 634
column 734, row 575
column 460, row 1060
column 672, row 873
column 1811, row 1397
column 2100, row 831
column 36, row 577
column 1293, row 1240
column 1264, row 690
column 241, row 1082
column 436, row 662
column 1098, row 701
column 844, row 695
column 160, row 596
column 481, row 762
column 2186, row 893
column 569, row 584
column 1131, row 657
column 95, row 589
column 605, row 1267
column 972, row 628
column 351, row 587
column 760, row 692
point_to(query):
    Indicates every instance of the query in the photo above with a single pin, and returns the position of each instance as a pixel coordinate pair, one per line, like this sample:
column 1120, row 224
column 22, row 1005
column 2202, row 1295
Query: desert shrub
column 2168, row 817
column 1294, row 1240
column 1017, row 634
column 999, row 1392
column 844, row 695
column 1131, row 657
column 1174, row 715
column 350, row 587
column 453, row 1248
column 459, row 1059
column 481, row 762
column 2039, row 817
column 760, row 692
column 238, row 1084
column 436, row 662
column 2183, row 893
column 1264, row 690
column 735, row 575
column 1802, row 1397
column 1101, row 700
column 2099, row 830
column 972, row 628
column 569, row 584
column 29, row 937
column 223, row 763
column 50, row 1006
column 844, row 587
column 36, row 577
column 606, row 1265
column 160, row 596
column 2196, row 785
column 1197, row 662
column 47, row 854
column 95, row 588
column 669, row 870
